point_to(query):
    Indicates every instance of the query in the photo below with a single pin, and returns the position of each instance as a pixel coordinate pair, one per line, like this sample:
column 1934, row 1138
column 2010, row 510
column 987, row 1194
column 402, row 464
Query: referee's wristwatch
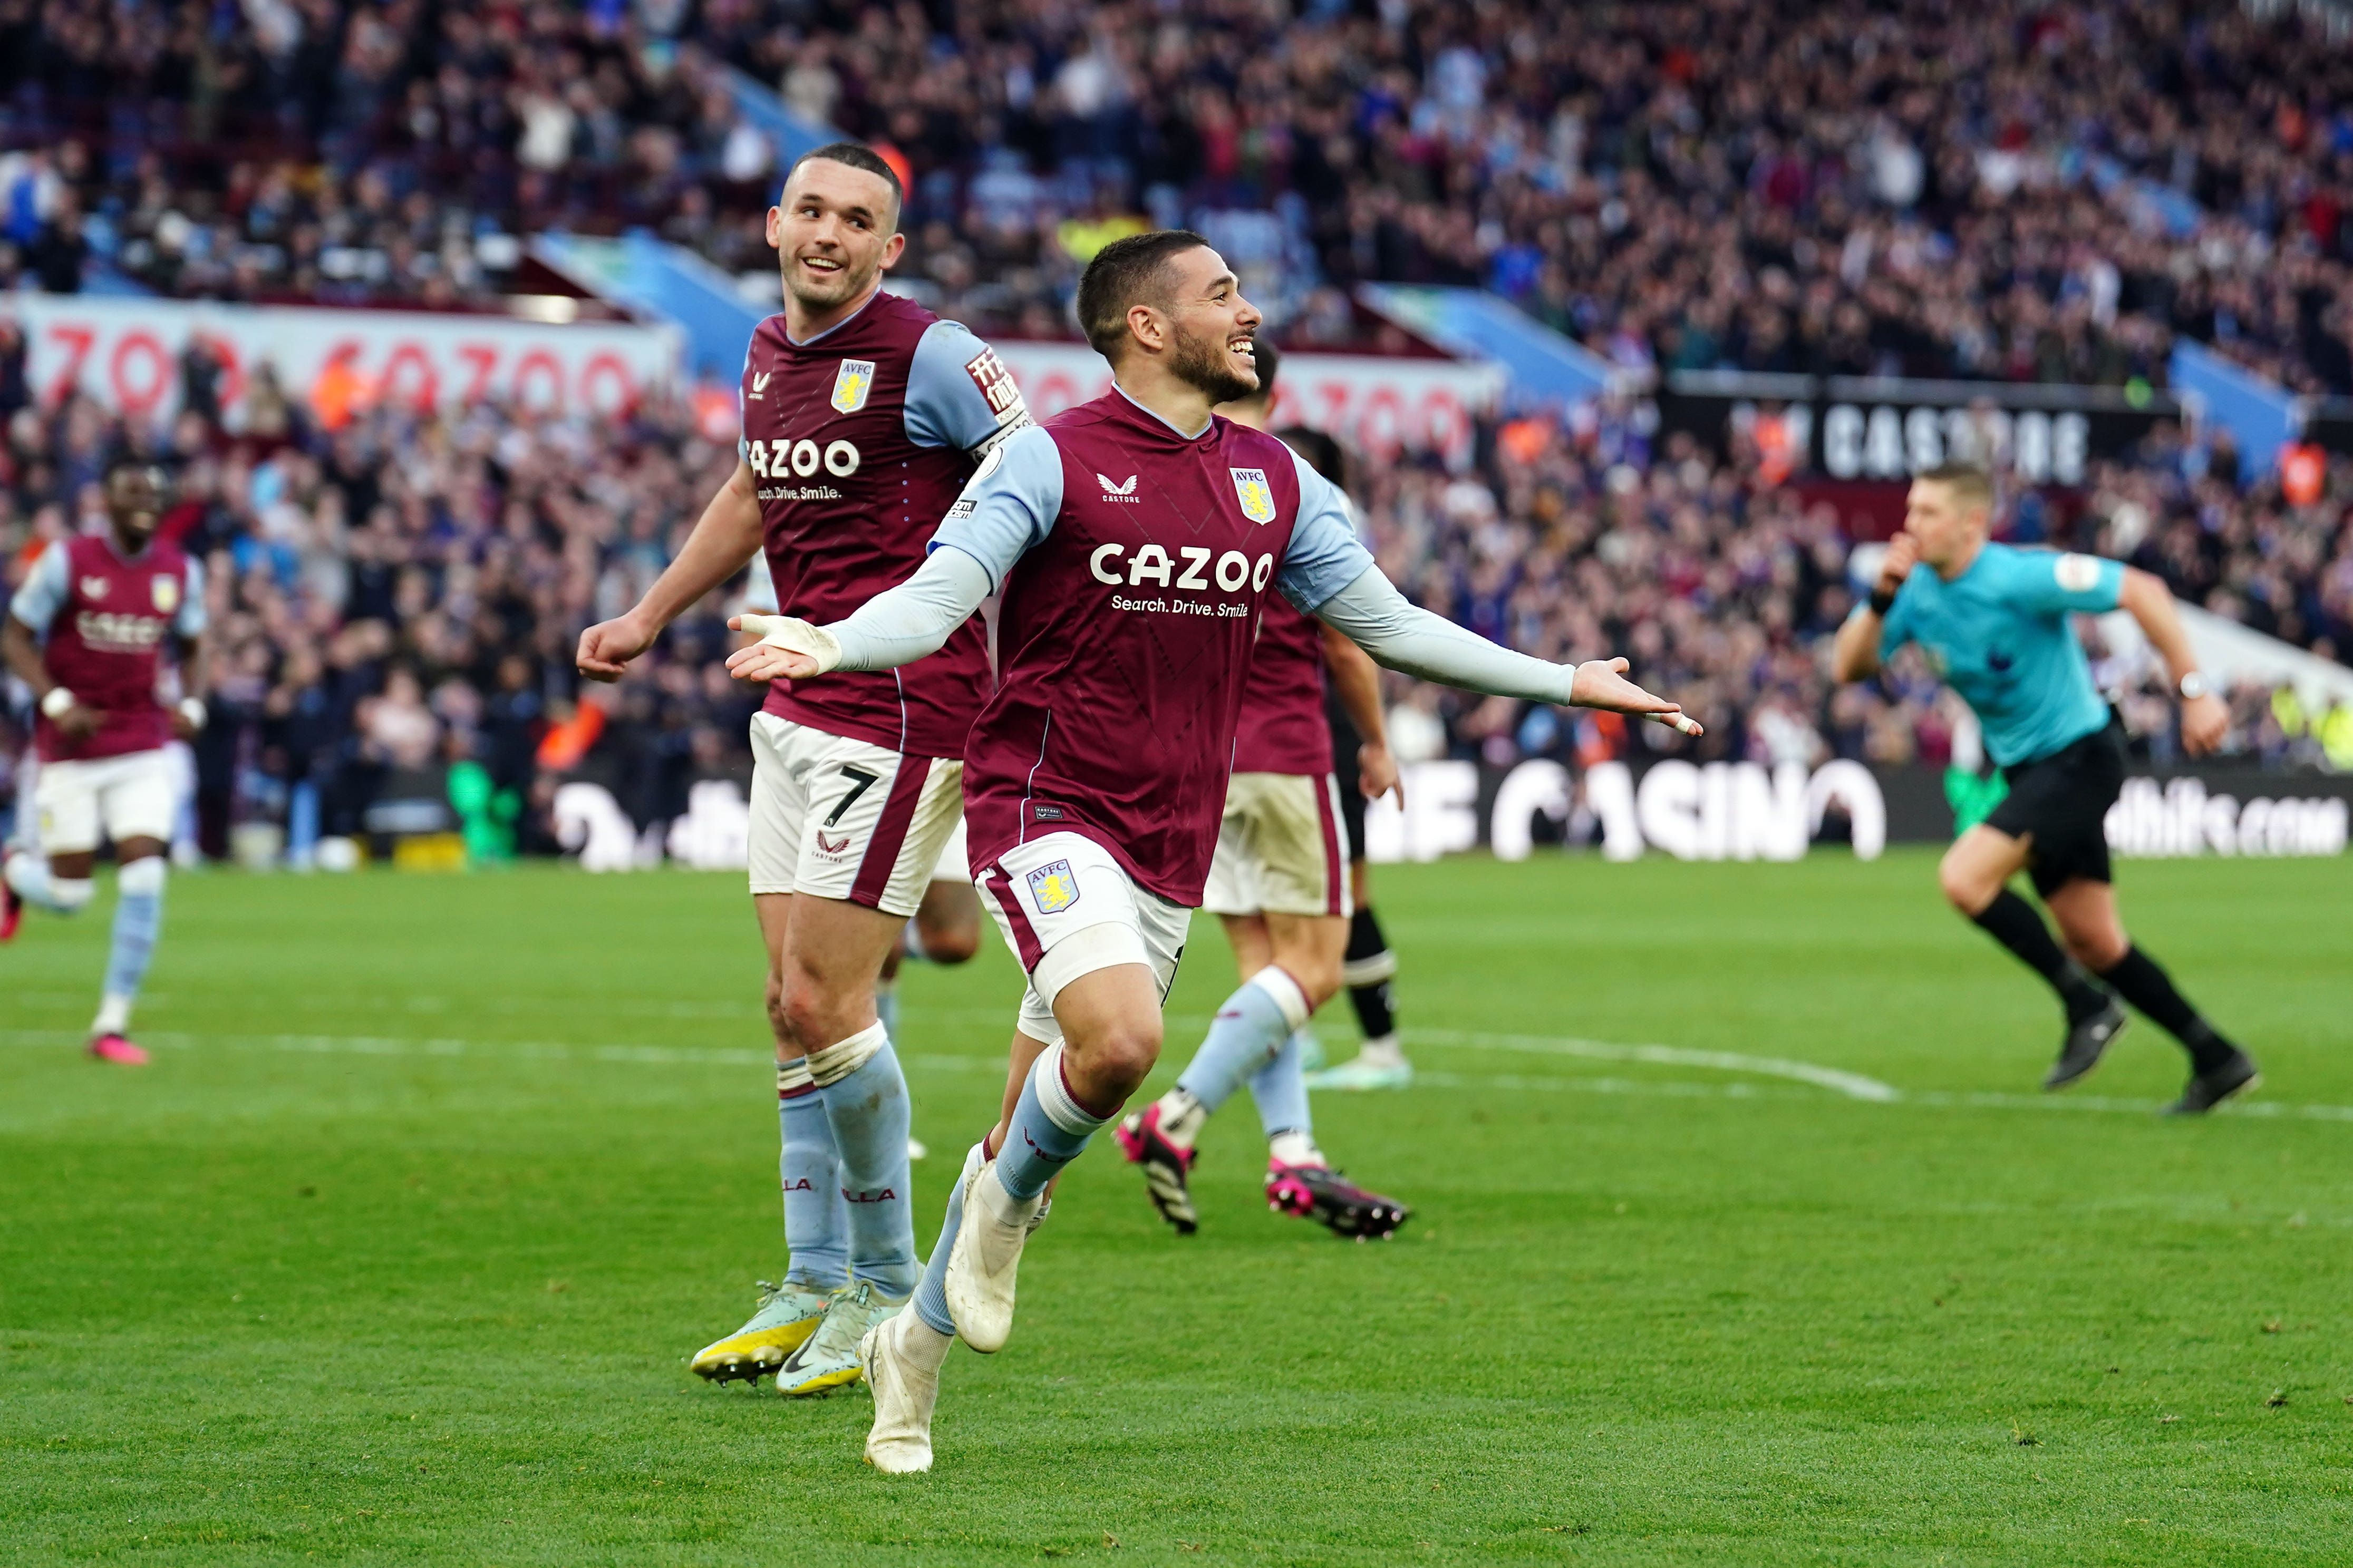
column 2195, row 685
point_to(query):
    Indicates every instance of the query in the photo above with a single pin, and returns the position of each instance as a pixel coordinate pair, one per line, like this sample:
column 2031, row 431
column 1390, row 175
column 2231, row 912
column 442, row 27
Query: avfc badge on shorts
column 851, row 382
column 165, row 591
column 1256, row 496
column 1053, row 888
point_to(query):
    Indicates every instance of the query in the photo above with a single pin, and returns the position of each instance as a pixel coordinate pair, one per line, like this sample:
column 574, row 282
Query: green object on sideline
column 486, row 816
column 1973, row 796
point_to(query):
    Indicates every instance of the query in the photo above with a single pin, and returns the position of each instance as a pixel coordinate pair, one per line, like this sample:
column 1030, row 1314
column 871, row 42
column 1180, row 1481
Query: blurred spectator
column 400, row 595
column 2004, row 190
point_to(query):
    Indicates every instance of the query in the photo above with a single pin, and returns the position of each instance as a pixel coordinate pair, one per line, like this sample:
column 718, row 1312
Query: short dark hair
column 127, row 462
column 1967, row 481
column 1124, row 274
column 1269, row 359
column 1322, row 454
column 856, row 155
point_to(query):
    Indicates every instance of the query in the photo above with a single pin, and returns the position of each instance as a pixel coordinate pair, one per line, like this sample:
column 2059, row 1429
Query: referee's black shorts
column 2062, row 801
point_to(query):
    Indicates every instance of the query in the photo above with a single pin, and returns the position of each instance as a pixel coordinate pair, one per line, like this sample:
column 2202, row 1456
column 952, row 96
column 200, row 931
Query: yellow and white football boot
column 829, row 1357
column 788, row 1314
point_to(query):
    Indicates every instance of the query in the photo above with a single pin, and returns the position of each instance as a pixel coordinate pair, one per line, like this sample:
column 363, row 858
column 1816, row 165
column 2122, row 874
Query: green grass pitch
column 397, row 1252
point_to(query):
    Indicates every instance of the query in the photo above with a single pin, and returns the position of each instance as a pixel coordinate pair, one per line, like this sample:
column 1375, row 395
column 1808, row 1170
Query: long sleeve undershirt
column 907, row 623
column 915, row 619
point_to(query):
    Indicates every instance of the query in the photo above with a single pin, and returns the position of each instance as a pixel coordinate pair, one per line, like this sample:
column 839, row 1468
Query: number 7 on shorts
column 865, row 781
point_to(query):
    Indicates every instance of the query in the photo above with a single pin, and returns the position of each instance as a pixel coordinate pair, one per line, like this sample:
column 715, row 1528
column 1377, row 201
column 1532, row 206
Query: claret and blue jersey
column 1997, row 634
column 858, row 439
column 1133, row 561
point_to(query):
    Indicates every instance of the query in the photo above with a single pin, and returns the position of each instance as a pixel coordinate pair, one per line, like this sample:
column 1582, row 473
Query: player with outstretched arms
column 864, row 417
column 1135, row 540
column 1279, row 883
column 1994, row 623
column 103, row 607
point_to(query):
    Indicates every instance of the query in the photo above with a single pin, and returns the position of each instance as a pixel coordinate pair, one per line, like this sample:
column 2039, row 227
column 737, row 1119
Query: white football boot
column 986, row 1256
column 905, row 1390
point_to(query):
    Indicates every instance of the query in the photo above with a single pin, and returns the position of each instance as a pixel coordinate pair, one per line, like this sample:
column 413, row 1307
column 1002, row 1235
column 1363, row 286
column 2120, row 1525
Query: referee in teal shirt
column 1993, row 621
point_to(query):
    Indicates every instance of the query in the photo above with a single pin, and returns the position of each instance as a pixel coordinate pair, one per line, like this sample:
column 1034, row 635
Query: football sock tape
column 868, row 1110
column 1050, row 1130
column 817, row 1220
column 1247, row 1035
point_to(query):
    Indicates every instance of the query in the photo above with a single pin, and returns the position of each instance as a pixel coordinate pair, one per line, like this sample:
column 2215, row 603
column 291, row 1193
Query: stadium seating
column 2003, row 191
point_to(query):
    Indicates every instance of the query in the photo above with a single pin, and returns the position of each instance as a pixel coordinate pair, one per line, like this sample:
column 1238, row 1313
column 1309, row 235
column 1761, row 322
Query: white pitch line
column 401, row 1046
column 1853, row 1085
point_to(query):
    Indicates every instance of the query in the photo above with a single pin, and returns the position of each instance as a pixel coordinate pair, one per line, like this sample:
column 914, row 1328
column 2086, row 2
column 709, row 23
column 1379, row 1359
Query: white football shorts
column 135, row 796
column 846, row 819
column 1067, row 907
column 955, row 862
column 1282, row 848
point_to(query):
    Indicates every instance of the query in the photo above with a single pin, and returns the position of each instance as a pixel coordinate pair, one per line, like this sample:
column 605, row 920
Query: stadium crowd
column 398, row 596
column 1996, row 190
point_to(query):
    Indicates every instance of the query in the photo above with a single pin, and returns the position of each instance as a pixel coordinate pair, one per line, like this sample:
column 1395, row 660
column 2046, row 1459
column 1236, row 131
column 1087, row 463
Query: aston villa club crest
column 851, row 382
column 165, row 591
column 1256, row 496
column 1053, row 888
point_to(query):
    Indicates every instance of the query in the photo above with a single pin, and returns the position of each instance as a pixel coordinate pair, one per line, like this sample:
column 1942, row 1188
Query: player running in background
column 104, row 606
column 863, row 416
column 1994, row 623
column 1278, row 882
column 1136, row 539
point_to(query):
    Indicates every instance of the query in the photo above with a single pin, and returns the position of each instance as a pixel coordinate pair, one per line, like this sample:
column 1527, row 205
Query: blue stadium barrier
column 1544, row 368
column 647, row 273
column 2260, row 416
column 792, row 134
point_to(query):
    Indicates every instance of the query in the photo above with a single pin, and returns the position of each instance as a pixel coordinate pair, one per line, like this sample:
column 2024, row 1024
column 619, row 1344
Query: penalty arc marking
column 1853, row 1085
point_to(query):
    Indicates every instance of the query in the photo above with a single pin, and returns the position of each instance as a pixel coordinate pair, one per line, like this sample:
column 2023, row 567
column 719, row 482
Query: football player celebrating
column 1994, row 621
column 1135, row 540
column 105, row 607
column 863, row 416
column 1279, row 883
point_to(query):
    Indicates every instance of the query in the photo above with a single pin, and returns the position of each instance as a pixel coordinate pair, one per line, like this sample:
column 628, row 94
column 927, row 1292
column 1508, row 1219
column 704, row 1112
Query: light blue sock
column 1280, row 1088
column 34, row 883
column 868, row 1110
column 1050, row 1129
column 886, row 1008
column 932, row 1292
column 817, row 1222
column 138, row 922
column 1248, row 1032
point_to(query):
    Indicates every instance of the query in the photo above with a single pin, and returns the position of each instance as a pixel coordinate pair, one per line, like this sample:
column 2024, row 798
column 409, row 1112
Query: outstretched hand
column 1601, row 683
column 788, row 649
